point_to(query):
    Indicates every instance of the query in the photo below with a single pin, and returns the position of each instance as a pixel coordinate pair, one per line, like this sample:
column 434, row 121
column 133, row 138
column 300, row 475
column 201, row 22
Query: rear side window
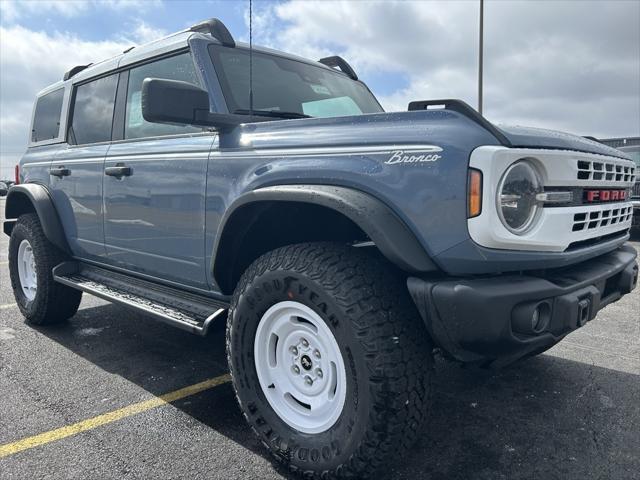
column 92, row 115
column 46, row 121
column 179, row 67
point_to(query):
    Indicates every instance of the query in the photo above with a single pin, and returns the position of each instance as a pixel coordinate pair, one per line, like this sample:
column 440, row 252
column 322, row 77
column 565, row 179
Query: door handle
column 60, row 171
column 119, row 171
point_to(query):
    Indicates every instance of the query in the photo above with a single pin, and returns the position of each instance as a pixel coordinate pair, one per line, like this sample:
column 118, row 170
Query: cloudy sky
column 569, row 65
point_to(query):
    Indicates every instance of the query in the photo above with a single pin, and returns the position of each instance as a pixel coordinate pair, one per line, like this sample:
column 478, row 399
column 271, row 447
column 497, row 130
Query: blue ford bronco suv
column 197, row 180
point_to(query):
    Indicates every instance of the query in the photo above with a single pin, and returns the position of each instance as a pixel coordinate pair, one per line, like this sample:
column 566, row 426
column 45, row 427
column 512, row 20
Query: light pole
column 480, row 53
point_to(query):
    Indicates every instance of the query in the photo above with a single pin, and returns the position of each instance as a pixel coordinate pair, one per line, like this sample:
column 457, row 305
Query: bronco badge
column 424, row 156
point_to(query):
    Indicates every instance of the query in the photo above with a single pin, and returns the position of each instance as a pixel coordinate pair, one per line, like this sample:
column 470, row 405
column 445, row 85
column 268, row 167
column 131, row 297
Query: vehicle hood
column 440, row 127
column 529, row 137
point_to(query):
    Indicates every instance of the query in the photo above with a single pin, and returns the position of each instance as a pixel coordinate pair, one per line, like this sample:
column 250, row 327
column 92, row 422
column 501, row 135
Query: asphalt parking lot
column 572, row 413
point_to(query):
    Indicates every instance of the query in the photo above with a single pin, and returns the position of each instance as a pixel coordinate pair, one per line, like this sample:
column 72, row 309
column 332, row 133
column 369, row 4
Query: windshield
column 284, row 85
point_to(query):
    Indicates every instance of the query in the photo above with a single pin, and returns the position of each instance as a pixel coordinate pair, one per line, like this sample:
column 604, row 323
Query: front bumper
column 489, row 319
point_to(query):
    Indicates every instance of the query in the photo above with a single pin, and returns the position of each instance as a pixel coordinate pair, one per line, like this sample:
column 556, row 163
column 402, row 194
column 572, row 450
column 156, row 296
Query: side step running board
column 188, row 311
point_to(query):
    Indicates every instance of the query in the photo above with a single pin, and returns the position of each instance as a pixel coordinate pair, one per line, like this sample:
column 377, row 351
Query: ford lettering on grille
column 593, row 196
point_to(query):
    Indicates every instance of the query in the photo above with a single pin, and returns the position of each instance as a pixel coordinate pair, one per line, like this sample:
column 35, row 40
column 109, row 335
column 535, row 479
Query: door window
column 93, row 111
column 179, row 67
column 46, row 121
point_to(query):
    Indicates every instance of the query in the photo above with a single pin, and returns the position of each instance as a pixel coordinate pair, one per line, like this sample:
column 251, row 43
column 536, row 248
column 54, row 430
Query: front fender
column 389, row 233
column 33, row 197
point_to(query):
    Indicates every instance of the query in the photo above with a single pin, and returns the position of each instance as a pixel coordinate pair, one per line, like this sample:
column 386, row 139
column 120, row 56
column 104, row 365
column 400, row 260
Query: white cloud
column 28, row 67
column 144, row 33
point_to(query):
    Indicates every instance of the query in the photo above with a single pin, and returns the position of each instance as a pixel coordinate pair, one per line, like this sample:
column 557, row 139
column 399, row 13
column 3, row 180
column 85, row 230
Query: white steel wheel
column 300, row 367
column 27, row 270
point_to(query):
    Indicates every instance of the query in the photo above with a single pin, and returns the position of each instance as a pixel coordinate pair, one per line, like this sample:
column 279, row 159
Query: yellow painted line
column 95, row 422
column 4, row 263
column 7, row 305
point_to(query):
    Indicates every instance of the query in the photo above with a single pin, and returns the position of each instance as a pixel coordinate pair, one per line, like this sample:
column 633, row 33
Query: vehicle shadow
column 545, row 418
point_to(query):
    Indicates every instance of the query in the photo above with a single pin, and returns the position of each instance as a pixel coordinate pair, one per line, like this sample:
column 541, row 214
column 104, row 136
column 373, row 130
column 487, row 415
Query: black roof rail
column 216, row 29
column 75, row 70
column 464, row 109
column 341, row 63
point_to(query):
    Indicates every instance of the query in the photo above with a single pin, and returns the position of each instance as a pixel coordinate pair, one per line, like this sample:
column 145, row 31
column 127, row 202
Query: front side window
column 46, row 120
column 179, row 67
column 92, row 115
column 284, row 85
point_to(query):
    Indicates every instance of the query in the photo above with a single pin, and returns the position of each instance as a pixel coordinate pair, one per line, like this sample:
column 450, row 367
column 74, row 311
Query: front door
column 154, row 187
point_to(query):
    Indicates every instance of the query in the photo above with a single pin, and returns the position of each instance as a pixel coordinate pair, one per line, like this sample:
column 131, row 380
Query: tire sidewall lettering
column 267, row 290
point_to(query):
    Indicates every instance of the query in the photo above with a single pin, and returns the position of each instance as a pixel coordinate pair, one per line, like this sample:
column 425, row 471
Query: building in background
column 621, row 142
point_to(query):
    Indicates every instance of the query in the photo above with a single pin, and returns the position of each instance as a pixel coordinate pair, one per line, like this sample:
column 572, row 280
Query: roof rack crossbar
column 341, row 63
column 216, row 29
column 74, row 71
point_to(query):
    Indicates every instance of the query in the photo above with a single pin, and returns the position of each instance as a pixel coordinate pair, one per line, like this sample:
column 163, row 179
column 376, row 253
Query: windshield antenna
column 250, row 58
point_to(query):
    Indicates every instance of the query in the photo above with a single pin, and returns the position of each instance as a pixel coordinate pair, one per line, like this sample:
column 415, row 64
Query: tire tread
column 55, row 302
column 390, row 331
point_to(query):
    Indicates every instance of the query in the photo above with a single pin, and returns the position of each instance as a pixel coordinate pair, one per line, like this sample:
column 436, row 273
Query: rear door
column 46, row 136
column 154, row 185
column 77, row 171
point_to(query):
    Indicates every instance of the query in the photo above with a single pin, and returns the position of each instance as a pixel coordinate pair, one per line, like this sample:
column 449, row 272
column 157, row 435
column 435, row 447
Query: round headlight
column 517, row 203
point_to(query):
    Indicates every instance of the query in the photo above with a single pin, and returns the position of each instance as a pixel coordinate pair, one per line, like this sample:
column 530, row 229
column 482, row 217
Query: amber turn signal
column 474, row 193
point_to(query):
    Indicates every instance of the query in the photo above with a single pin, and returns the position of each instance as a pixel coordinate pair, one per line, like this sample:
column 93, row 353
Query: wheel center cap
column 305, row 361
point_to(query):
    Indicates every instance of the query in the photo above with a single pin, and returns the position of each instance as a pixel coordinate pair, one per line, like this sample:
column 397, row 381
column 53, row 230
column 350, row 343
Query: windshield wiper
column 272, row 113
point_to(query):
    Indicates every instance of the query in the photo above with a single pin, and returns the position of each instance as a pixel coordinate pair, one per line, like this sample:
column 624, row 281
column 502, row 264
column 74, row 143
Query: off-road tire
column 54, row 302
column 384, row 344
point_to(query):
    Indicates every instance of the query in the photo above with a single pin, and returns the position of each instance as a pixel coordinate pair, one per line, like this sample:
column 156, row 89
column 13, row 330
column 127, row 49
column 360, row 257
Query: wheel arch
column 319, row 213
column 33, row 197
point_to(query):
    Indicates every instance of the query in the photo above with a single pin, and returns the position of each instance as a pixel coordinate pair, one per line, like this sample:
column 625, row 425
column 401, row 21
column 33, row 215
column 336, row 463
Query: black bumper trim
column 473, row 319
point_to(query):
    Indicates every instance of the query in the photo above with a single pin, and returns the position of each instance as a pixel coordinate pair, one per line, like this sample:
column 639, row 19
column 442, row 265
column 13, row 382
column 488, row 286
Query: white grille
column 595, row 219
column 606, row 171
column 557, row 227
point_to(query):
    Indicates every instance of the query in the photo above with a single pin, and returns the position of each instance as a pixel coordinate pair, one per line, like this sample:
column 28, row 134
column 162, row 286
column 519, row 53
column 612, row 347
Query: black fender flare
column 387, row 231
column 17, row 203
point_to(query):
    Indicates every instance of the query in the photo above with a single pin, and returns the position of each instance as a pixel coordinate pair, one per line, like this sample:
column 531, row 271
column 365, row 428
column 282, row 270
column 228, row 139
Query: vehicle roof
column 167, row 44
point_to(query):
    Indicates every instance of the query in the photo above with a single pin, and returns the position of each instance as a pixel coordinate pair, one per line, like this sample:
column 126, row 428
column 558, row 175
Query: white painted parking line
column 7, row 305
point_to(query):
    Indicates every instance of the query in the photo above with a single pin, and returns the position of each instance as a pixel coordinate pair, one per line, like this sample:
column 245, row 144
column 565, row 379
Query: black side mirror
column 173, row 101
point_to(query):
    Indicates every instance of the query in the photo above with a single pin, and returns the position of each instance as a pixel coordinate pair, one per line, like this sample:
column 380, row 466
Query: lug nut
column 319, row 373
column 304, row 342
column 294, row 350
column 308, row 380
column 296, row 369
column 316, row 353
